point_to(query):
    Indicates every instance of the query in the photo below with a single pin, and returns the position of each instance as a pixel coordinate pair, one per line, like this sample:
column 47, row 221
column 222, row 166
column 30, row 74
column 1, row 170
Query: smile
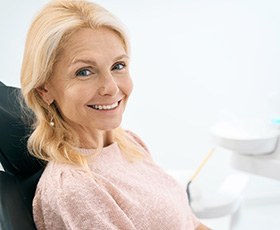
column 105, row 107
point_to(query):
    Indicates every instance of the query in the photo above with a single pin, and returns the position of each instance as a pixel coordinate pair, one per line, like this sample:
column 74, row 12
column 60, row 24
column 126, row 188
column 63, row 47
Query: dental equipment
column 254, row 145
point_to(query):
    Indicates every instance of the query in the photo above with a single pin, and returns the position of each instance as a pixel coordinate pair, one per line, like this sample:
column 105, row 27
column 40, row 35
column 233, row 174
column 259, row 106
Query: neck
column 107, row 138
column 97, row 139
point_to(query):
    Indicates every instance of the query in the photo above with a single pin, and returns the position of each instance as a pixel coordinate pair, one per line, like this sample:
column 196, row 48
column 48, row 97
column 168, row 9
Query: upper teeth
column 105, row 107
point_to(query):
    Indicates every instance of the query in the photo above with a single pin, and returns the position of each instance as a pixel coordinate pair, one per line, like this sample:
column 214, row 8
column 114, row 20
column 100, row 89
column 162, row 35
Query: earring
column 51, row 120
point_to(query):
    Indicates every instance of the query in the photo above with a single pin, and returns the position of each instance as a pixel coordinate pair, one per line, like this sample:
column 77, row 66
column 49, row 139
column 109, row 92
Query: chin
column 109, row 127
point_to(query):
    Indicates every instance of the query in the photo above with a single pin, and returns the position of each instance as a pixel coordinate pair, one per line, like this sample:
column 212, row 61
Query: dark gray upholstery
column 22, row 171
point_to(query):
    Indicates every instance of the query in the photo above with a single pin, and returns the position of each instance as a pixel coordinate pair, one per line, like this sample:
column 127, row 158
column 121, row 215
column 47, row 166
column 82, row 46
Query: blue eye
column 119, row 66
column 83, row 73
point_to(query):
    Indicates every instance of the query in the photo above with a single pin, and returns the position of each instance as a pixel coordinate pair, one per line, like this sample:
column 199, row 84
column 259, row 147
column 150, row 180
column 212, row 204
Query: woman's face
column 91, row 82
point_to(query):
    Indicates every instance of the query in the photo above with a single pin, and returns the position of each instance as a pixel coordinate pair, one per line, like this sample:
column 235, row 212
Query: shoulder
column 63, row 178
column 65, row 191
column 68, row 187
column 55, row 174
column 58, row 183
column 137, row 139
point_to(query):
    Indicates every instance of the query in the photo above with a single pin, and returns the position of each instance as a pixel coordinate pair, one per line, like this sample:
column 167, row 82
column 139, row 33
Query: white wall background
column 193, row 60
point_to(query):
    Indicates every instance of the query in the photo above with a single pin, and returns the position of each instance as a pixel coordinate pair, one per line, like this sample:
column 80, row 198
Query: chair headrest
column 14, row 132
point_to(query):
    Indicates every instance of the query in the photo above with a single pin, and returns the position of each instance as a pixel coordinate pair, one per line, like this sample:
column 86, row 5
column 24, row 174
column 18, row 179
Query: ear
column 45, row 93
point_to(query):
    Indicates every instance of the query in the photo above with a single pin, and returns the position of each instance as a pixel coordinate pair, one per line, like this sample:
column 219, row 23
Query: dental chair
column 21, row 171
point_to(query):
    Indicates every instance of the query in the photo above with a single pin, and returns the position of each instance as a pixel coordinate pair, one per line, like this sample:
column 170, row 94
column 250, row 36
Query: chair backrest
column 22, row 171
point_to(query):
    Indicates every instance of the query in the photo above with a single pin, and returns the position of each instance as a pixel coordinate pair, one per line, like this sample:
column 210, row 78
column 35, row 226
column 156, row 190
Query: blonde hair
column 46, row 37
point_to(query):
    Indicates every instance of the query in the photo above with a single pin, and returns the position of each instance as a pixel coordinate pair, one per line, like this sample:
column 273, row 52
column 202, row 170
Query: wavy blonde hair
column 45, row 40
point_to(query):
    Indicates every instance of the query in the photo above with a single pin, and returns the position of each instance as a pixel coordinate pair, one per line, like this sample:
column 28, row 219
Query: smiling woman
column 54, row 55
column 75, row 77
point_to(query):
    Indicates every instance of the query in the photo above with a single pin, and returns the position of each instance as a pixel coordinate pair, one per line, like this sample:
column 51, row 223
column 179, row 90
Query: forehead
column 93, row 41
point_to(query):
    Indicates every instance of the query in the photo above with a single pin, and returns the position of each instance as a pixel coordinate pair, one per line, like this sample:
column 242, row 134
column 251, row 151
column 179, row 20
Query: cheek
column 127, row 86
column 72, row 99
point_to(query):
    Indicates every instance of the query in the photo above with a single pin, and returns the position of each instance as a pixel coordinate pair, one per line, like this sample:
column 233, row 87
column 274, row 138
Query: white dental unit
column 255, row 149
column 254, row 144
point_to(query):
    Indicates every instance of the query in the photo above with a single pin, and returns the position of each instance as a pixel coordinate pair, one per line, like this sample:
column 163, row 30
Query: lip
column 97, row 106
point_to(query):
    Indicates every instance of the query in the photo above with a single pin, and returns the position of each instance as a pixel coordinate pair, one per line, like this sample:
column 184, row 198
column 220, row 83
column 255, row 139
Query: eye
column 119, row 66
column 83, row 73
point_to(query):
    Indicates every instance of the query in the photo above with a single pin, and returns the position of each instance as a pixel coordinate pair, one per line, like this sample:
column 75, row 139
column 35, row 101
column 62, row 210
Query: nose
column 108, row 86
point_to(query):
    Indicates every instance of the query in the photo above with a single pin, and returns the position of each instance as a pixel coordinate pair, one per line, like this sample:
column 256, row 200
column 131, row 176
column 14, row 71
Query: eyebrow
column 93, row 62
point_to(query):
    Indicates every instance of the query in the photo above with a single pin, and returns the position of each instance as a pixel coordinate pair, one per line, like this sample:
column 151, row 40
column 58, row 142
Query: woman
column 75, row 77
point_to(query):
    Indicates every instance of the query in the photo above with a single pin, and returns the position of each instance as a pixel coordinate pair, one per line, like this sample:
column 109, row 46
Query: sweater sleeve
column 77, row 202
column 192, row 218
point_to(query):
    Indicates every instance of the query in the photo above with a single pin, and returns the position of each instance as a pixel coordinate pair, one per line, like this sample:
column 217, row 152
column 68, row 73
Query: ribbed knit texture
column 119, row 194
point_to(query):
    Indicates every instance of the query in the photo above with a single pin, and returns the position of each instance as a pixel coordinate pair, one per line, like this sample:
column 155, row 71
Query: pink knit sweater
column 119, row 195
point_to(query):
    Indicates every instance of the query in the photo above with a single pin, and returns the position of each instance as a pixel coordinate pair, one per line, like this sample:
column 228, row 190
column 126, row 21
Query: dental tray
column 253, row 138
